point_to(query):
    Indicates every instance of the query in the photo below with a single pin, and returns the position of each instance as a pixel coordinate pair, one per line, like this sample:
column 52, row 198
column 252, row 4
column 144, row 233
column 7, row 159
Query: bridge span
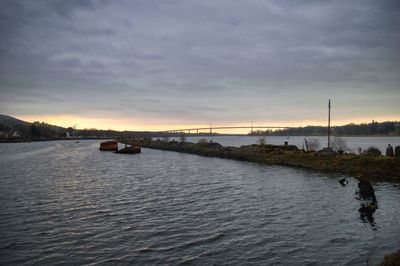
column 210, row 129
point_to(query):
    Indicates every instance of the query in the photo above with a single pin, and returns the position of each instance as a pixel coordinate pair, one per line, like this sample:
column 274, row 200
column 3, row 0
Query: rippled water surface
column 67, row 202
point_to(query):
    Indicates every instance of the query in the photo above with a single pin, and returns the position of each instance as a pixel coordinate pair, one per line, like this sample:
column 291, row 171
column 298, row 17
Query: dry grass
column 391, row 259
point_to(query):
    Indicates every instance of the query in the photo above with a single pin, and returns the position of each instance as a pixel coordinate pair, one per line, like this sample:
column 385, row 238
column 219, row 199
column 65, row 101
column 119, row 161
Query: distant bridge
column 209, row 130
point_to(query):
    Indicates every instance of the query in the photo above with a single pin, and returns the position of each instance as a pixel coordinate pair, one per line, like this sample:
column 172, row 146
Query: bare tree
column 262, row 140
column 182, row 138
column 339, row 144
column 313, row 144
column 202, row 140
column 373, row 151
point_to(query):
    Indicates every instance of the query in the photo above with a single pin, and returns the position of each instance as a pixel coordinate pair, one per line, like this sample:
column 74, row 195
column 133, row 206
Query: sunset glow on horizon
column 121, row 124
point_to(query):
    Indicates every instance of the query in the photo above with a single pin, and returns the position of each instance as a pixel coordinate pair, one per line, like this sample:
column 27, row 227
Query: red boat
column 111, row 145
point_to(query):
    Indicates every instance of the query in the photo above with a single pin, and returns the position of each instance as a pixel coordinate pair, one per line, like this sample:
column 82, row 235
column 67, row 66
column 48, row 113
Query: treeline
column 374, row 128
column 44, row 130
column 34, row 130
column 95, row 133
column 14, row 129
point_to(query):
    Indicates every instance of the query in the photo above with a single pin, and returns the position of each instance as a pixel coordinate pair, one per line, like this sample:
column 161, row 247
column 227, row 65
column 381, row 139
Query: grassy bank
column 392, row 259
column 372, row 167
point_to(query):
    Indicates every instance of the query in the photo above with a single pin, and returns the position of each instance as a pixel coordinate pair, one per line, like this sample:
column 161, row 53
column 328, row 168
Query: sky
column 166, row 64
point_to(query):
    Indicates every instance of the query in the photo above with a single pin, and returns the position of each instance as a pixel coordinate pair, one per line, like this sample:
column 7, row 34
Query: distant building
column 69, row 133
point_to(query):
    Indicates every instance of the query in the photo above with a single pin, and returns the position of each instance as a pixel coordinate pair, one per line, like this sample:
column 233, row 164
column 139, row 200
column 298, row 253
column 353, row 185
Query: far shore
column 14, row 140
column 19, row 140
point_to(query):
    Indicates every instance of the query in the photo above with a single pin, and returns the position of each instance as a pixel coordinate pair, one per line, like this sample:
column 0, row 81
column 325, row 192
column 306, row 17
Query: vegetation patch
column 391, row 259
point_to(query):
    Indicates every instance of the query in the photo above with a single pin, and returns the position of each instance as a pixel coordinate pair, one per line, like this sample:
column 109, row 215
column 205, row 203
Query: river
column 353, row 143
column 63, row 202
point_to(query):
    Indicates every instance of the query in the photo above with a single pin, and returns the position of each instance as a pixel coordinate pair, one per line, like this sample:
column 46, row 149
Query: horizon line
column 131, row 124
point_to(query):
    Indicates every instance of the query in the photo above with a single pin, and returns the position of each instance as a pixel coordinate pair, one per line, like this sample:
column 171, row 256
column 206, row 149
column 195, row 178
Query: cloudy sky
column 171, row 63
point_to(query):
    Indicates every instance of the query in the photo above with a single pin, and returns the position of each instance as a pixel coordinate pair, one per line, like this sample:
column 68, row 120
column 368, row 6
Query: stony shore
column 377, row 168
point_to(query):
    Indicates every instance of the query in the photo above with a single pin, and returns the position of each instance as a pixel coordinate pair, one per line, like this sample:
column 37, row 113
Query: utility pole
column 210, row 127
column 329, row 124
column 251, row 126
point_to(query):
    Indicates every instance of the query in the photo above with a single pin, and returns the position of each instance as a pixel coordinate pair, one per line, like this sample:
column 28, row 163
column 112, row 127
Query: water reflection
column 366, row 213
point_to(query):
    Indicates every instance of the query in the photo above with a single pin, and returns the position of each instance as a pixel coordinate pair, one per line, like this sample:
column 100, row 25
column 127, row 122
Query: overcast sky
column 146, row 64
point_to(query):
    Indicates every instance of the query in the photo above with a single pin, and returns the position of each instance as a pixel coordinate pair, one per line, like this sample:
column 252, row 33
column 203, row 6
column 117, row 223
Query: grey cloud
column 209, row 57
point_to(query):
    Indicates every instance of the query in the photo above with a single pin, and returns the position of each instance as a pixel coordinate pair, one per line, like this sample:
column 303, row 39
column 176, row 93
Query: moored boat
column 111, row 145
column 130, row 150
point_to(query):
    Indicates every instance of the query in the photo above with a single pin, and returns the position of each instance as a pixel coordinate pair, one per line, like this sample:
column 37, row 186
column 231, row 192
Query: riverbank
column 392, row 259
column 377, row 168
column 21, row 140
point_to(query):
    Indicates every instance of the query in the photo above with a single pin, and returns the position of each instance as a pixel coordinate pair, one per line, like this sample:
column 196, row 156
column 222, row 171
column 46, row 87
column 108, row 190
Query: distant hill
column 11, row 121
column 13, row 128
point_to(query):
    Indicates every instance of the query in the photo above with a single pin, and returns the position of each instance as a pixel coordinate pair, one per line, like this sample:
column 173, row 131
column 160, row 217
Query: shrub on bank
column 262, row 140
column 312, row 144
column 373, row 151
column 182, row 138
column 339, row 144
